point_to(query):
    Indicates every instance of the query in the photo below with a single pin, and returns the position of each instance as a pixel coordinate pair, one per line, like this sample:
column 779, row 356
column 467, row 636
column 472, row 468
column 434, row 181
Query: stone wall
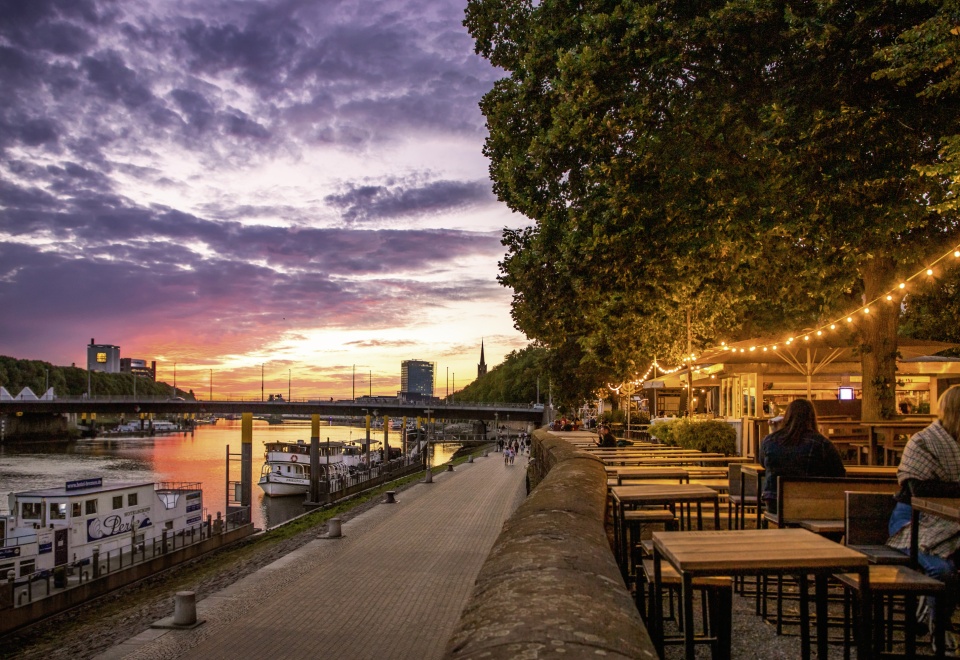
column 551, row 586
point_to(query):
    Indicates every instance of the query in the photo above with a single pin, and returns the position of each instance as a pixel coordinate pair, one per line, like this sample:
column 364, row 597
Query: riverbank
column 96, row 626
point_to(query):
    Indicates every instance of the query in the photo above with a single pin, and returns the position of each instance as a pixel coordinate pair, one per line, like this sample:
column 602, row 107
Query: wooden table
column 890, row 429
column 942, row 507
column 658, row 494
column 759, row 552
column 634, row 472
column 682, row 459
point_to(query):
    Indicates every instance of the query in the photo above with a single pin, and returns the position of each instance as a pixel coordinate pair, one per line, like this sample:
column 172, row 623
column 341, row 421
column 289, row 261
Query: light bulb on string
column 929, row 272
column 903, row 285
column 866, row 310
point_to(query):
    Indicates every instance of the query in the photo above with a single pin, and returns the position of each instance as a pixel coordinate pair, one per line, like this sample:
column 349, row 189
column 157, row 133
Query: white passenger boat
column 286, row 470
column 54, row 527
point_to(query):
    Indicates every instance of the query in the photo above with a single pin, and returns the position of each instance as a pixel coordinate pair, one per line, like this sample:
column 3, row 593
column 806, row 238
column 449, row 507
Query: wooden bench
column 819, row 503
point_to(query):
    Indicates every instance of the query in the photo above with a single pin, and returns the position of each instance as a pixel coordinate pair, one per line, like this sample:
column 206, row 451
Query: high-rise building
column 103, row 357
column 138, row 368
column 416, row 377
column 482, row 367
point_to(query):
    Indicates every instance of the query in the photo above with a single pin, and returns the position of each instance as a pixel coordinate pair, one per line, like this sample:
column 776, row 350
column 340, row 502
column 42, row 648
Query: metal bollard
column 449, row 467
column 185, row 608
column 485, row 453
column 470, row 458
column 334, row 530
column 391, row 497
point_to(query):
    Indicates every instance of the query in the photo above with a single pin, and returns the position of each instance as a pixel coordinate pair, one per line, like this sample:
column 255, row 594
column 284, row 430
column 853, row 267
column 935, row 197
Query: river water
column 199, row 456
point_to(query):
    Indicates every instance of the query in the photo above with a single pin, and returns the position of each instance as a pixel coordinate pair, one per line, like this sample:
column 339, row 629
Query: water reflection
column 199, row 456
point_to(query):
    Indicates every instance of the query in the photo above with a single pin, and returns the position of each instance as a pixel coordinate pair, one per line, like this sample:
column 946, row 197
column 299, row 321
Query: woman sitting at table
column 797, row 449
column 606, row 438
column 930, row 467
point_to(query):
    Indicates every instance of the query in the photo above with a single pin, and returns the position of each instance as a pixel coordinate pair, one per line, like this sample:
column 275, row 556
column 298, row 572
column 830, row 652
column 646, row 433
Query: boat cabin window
column 31, row 511
column 77, row 509
column 58, row 511
column 131, row 499
column 90, row 507
column 117, row 502
column 27, row 566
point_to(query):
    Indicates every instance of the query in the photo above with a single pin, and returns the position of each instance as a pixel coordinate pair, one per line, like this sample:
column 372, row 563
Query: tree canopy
column 764, row 164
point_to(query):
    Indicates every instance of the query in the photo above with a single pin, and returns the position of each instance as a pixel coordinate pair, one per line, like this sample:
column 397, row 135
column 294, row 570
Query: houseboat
column 54, row 527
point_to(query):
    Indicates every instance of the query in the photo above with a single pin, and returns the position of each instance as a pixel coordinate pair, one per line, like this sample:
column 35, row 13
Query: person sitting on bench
column 797, row 449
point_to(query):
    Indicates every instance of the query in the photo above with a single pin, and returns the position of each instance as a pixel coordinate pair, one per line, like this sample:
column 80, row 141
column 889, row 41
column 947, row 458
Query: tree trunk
column 878, row 341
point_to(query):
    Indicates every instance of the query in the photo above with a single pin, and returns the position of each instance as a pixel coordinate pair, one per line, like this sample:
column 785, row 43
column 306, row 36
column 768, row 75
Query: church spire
column 482, row 367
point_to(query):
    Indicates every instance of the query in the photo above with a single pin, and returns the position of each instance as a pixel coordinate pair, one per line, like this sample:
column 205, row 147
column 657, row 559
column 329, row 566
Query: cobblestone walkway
column 392, row 587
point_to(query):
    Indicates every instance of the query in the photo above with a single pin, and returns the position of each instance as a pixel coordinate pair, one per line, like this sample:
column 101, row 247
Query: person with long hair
column 797, row 449
column 930, row 467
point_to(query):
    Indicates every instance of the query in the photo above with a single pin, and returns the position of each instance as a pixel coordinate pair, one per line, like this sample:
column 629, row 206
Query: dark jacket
column 607, row 440
column 813, row 456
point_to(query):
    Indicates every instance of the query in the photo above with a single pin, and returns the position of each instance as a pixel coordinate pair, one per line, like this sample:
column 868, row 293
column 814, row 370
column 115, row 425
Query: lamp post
column 174, row 379
column 46, row 380
column 289, row 372
column 261, row 382
column 211, row 384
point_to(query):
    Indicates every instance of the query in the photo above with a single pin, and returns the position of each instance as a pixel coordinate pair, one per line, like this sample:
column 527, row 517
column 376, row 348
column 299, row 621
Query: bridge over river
column 129, row 405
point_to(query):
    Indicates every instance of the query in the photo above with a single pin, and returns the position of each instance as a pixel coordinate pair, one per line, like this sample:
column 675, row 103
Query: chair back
column 866, row 517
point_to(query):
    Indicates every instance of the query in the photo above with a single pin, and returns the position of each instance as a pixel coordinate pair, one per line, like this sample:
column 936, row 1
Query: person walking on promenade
column 930, row 467
column 506, row 456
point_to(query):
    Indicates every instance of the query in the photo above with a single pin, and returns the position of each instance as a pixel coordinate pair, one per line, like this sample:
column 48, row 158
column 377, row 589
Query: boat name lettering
column 194, row 507
column 113, row 525
column 7, row 553
column 136, row 511
column 194, row 495
column 46, row 547
column 80, row 484
column 195, row 519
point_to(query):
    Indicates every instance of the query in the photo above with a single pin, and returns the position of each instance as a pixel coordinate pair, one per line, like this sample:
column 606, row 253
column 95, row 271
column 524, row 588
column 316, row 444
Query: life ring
column 293, row 459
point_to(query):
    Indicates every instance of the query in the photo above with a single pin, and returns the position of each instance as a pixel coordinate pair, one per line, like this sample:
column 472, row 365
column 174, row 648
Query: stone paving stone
column 393, row 587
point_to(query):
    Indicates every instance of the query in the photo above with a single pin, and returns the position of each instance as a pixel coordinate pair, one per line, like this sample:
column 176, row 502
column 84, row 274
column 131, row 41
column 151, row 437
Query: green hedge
column 708, row 435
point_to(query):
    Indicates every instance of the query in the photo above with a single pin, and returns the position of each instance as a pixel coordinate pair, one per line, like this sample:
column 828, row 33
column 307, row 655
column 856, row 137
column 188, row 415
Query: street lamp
column 289, row 371
column 174, row 379
column 261, row 382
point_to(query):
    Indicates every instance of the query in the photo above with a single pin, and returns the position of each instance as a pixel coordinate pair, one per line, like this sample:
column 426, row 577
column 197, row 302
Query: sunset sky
column 225, row 183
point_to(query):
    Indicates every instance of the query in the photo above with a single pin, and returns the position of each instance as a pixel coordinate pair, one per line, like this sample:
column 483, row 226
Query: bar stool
column 716, row 602
column 890, row 581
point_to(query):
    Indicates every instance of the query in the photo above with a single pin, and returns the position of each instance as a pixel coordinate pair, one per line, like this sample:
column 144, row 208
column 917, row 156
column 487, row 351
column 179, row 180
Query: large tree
column 748, row 161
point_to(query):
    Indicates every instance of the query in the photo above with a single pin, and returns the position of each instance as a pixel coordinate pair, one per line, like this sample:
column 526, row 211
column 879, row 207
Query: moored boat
column 286, row 470
column 53, row 527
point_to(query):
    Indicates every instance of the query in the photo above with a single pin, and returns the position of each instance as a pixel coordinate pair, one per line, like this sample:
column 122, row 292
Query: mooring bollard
column 333, row 528
column 470, row 458
column 449, row 467
column 185, row 608
column 391, row 497
column 485, row 454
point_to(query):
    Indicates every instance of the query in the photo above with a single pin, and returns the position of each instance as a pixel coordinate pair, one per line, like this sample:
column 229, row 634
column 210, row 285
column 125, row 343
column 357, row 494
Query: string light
column 888, row 296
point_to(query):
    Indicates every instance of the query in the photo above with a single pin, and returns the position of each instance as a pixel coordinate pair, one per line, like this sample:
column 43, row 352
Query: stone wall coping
column 550, row 586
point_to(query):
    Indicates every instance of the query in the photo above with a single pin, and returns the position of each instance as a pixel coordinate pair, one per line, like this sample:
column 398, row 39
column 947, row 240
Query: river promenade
column 392, row 587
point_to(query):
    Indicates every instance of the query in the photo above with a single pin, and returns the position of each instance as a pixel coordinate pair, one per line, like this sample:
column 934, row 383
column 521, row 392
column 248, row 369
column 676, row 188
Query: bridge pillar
column 246, row 463
column 315, row 458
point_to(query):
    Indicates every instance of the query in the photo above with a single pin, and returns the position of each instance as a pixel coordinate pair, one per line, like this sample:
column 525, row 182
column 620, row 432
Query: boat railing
column 25, row 539
column 178, row 486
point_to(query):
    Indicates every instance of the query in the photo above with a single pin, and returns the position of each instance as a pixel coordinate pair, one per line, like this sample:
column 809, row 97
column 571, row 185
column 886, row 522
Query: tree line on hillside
column 72, row 381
